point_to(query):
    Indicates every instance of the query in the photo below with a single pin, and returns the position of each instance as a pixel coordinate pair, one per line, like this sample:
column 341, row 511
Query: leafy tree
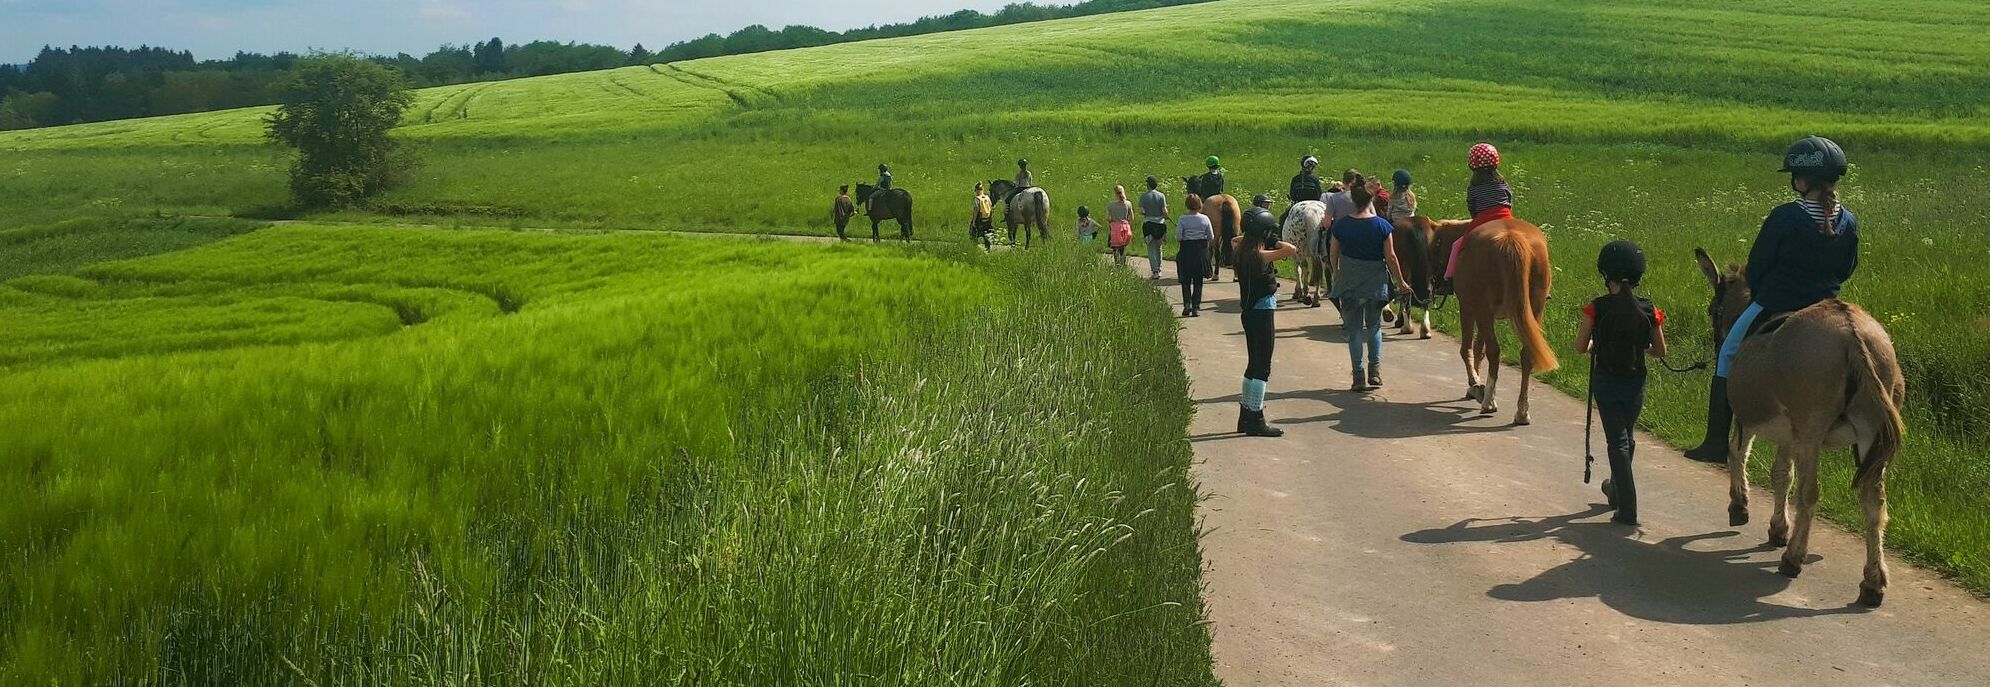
column 490, row 57
column 338, row 111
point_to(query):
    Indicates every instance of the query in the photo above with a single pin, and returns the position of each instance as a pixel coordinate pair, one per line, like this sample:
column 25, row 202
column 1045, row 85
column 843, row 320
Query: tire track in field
column 696, row 80
column 776, row 97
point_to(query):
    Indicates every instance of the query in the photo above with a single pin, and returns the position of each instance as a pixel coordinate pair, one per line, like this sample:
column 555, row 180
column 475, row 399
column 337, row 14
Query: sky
column 215, row 29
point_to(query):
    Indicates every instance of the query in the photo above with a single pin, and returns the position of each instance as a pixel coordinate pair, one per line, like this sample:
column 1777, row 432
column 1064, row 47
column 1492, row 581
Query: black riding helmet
column 1815, row 157
column 884, row 168
column 1022, row 163
column 1622, row 261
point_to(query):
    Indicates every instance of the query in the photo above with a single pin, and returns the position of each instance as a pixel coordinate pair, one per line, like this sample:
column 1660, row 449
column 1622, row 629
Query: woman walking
column 1618, row 330
column 1154, row 225
column 1257, row 249
column 1193, row 232
column 1119, row 224
column 1364, row 268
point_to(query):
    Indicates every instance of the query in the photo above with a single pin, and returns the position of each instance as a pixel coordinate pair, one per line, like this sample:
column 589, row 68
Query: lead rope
column 1589, row 422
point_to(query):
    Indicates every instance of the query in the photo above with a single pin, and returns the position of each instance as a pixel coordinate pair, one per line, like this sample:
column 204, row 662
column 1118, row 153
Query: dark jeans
column 1259, row 335
column 1191, row 267
column 1619, row 400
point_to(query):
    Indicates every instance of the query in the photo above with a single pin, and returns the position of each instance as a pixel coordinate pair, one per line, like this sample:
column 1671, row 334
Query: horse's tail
column 1417, row 261
column 1232, row 220
column 1872, row 397
column 1042, row 209
column 905, row 199
column 1518, row 291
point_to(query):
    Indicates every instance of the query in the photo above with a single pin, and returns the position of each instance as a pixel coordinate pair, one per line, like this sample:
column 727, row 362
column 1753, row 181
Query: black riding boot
column 1720, row 426
column 1621, row 488
column 1251, row 423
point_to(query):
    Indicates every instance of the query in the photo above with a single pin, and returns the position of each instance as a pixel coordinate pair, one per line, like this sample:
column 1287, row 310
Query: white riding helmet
column 1309, row 162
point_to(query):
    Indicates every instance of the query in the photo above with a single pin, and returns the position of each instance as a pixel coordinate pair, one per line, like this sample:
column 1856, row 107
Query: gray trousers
column 1154, row 245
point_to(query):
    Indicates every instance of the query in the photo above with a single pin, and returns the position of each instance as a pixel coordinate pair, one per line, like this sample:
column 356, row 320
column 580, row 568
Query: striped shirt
column 1488, row 196
column 1818, row 214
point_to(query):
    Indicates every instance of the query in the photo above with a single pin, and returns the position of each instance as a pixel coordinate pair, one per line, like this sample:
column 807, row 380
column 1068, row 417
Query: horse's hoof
column 1737, row 517
column 1871, row 598
column 1778, row 541
column 1521, row 421
column 1475, row 392
column 1789, row 570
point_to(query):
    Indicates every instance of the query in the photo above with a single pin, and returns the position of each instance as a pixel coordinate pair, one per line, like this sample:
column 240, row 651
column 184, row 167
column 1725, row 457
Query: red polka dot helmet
column 1483, row 156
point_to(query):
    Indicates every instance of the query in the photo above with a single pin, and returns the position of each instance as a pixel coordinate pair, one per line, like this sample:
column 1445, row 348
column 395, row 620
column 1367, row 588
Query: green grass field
column 481, row 422
column 343, row 455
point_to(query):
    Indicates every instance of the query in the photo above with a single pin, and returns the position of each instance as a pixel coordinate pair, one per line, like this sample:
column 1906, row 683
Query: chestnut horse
column 1226, row 219
column 1503, row 274
column 1824, row 378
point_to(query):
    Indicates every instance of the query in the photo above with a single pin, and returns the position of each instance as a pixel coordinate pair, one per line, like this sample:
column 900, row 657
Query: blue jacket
column 1793, row 265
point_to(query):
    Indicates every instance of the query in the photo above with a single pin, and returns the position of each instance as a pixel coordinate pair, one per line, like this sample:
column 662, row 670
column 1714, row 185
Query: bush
column 338, row 112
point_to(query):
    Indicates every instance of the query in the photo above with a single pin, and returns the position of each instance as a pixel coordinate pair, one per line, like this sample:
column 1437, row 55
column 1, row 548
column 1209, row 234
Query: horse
column 1030, row 208
column 1226, row 218
column 1824, row 378
column 892, row 204
column 1503, row 274
column 1414, row 239
column 1305, row 228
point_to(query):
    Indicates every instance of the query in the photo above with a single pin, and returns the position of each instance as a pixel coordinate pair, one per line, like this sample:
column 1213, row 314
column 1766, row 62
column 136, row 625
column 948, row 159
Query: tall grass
column 674, row 463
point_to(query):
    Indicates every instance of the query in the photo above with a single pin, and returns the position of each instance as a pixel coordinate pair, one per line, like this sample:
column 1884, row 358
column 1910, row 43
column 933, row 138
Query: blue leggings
column 1735, row 334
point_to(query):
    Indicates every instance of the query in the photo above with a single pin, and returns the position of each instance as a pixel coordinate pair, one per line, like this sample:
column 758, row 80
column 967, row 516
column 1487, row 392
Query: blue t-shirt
column 1361, row 238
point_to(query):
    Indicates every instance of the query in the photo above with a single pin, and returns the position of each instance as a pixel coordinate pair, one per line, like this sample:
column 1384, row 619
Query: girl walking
column 1087, row 227
column 1364, row 267
column 1119, row 223
column 1193, row 232
column 1618, row 330
column 1257, row 249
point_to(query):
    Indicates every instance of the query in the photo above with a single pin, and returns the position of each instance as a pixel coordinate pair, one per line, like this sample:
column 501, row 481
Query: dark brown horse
column 1226, row 219
column 891, row 204
column 1503, row 274
column 1415, row 240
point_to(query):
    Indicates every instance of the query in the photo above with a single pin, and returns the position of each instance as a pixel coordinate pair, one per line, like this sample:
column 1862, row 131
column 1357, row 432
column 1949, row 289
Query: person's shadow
column 1664, row 581
column 1365, row 415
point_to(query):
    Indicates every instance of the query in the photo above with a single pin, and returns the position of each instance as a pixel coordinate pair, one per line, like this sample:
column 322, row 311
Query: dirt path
column 1397, row 538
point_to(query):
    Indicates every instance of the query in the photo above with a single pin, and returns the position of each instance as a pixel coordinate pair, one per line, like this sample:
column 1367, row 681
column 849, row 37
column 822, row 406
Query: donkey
column 1825, row 378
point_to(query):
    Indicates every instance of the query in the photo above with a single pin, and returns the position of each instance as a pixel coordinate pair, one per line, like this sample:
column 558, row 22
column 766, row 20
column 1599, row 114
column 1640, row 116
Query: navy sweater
column 1793, row 265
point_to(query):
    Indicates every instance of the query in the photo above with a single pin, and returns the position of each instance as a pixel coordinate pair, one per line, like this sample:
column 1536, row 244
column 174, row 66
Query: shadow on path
column 1663, row 582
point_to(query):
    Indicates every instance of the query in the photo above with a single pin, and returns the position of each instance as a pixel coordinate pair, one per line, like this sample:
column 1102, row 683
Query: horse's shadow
column 1663, row 582
column 1364, row 415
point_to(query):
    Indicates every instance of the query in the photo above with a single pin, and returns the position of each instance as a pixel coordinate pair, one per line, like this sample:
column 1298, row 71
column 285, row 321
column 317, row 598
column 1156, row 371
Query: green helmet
column 1213, row 162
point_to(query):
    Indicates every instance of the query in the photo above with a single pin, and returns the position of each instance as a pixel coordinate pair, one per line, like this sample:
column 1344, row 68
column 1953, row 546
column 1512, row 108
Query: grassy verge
column 666, row 461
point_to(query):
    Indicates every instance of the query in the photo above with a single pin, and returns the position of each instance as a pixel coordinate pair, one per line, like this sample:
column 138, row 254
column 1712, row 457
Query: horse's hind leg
column 874, row 231
column 1779, row 485
column 1520, row 415
column 1489, row 354
column 1467, row 350
column 1804, row 455
column 1423, row 332
column 1872, row 496
column 1739, row 444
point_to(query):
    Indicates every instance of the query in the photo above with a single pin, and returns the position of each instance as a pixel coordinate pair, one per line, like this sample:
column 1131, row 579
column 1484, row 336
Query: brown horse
column 1226, row 219
column 1503, row 274
column 1825, row 378
column 887, row 204
column 1415, row 239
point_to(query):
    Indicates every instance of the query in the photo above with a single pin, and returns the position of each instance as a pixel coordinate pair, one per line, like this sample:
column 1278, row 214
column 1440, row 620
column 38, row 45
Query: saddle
column 1767, row 323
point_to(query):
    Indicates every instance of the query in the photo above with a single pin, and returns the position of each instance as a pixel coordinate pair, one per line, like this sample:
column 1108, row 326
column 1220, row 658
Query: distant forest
column 94, row 84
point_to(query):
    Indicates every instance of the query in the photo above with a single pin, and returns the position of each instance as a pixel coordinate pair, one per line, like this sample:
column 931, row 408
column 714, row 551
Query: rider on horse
column 1211, row 182
column 1306, row 184
column 1024, row 180
column 1805, row 251
column 1488, row 198
column 884, row 176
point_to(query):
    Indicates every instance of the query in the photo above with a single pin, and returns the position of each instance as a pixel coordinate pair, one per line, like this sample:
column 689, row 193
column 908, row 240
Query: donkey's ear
column 1707, row 267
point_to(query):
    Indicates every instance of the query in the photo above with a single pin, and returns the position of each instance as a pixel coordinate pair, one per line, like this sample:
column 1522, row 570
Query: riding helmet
column 1815, row 156
column 1621, row 261
column 1022, row 163
column 884, row 168
column 1309, row 162
column 1261, row 199
column 1084, row 211
column 1402, row 177
column 1213, row 162
column 1483, row 156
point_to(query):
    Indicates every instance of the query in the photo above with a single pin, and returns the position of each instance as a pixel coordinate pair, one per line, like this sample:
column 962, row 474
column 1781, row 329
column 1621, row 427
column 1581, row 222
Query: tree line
column 92, row 84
